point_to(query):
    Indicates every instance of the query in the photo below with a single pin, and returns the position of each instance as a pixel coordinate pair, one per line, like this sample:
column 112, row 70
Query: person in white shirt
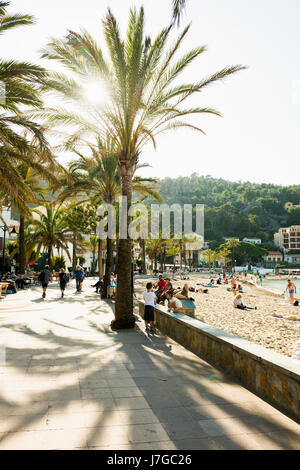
column 150, row 300
column 237, row 303
column 174, row 303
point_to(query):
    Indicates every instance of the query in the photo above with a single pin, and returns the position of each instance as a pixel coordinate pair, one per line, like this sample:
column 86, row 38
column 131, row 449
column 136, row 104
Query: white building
column 288, row 238
column 255, row 241
column 288, row 205
column 292, row 258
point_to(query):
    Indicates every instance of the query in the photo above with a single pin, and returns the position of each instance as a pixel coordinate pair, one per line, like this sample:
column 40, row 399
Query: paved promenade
column 69, row 382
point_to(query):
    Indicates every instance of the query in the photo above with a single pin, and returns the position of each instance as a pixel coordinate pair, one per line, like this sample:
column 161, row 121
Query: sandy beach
column 216, row 309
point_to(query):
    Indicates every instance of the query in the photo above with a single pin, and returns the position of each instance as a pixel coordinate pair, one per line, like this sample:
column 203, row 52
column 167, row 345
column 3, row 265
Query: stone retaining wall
column 272, row 376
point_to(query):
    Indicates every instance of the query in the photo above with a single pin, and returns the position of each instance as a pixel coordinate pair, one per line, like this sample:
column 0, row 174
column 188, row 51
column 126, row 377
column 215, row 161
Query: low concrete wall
column 270, row 375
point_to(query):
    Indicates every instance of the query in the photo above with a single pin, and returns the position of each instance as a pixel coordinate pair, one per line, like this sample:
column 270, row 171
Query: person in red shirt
column 161, row 286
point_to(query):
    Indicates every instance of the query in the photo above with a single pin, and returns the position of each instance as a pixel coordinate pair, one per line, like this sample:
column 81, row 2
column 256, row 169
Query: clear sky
column 258, row 138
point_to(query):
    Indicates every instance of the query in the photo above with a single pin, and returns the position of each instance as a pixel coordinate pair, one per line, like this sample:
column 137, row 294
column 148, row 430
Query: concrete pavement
column 69, row 382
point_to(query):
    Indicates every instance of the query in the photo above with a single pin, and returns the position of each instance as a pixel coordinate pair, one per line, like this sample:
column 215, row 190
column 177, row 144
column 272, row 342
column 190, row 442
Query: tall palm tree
column 36, row 172
column 75, row 219
column 142, row 101
column 50, row 230
column 98, row 177
column 93, row 244
column 154, row 248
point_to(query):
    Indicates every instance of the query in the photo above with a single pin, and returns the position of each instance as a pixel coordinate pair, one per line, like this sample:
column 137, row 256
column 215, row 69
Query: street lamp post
column 5, row 229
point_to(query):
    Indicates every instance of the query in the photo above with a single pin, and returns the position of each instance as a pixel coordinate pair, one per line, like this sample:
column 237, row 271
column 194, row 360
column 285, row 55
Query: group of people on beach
column 165, row 294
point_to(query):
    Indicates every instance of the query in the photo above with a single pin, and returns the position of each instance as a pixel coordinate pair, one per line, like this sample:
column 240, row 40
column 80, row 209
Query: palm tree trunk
column 50, row 256
column 124, row 317
column 144, row 270
column 100, row 264
column 22, row 246
column 108, row 267
column 74, row 260
column 180, row 256
column 93, row 260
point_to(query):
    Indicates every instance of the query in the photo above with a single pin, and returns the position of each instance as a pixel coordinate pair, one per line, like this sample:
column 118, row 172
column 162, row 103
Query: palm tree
column 77, row 224
column 210, row 256
column 50, row 230
column 98, row 177
column 93, row 244
column 173, row 249
column 33, row 173
column 154, row 248
column 19, row 89
column 177, row 10
column 142, row 101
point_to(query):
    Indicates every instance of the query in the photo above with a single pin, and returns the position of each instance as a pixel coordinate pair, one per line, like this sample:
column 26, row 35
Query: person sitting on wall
column 169, row 285
column 183, row 294
column 160, row 286
column 175, row 304
column 12, row 287
column 98, row 286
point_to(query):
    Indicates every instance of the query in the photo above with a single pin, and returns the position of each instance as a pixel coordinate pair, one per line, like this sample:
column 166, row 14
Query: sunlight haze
column 258, row 137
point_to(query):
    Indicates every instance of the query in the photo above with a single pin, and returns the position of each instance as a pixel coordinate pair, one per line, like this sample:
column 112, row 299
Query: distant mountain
column 235, row 209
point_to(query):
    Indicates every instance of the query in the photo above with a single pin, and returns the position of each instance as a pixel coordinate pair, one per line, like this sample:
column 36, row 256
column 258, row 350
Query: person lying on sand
column 237, row 303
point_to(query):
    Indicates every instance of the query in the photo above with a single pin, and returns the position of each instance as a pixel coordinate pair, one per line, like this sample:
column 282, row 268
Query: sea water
column 279, row 285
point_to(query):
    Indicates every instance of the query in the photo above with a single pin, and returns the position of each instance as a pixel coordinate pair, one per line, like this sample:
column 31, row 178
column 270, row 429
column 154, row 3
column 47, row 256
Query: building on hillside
column 288, row 205
column 228, row 239
column 273, row 258
column 293, row 258
column 255, row 241
column 288, row 238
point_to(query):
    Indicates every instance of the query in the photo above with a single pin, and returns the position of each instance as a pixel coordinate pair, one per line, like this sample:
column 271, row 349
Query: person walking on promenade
column 45, row 277
column 63, row 280
column 79, row 275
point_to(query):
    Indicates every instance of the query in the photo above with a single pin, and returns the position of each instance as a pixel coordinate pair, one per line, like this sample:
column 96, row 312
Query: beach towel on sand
column 281, row 317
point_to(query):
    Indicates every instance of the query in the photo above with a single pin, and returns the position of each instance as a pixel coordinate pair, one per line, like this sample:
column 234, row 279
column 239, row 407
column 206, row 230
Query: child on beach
column 237, row 303
column 233, row 285
column 150, row 300
column 174, row 303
